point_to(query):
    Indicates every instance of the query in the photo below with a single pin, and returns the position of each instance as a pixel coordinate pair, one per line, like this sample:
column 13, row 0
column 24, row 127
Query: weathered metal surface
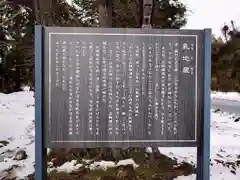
column 123, row 87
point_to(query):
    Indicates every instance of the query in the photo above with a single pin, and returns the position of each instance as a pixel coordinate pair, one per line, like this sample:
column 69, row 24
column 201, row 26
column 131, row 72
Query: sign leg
column 203, row 150
column 40, row 151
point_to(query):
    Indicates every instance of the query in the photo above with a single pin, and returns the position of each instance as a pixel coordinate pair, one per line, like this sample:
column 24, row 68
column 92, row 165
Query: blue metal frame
column 40, row 151
column 203, row 150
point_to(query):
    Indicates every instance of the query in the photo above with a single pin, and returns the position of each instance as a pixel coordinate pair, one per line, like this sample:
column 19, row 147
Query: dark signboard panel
column 122, row 87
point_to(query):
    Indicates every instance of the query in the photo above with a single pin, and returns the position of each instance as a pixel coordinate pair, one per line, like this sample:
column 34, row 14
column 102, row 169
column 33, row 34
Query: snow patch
column 103, row 165
column 127, row 162
column 190, row 177
column 69, row 167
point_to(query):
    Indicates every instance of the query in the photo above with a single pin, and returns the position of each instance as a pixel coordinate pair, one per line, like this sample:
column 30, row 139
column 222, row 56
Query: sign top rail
column 74, row 30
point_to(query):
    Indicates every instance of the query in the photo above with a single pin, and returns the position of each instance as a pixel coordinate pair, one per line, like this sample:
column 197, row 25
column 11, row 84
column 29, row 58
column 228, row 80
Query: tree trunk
column 105, row 13
column 17, row 72
column 43, row 12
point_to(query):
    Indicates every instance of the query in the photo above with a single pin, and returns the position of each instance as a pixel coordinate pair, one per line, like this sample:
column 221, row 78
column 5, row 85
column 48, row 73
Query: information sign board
column 122, row 87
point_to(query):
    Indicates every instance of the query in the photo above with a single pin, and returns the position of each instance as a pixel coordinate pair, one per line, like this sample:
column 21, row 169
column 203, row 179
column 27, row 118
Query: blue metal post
column 203, row 151
column 40, row 151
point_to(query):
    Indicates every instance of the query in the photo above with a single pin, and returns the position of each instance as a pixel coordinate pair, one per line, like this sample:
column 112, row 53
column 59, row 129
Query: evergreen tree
column 127, row 14
column 226, row 60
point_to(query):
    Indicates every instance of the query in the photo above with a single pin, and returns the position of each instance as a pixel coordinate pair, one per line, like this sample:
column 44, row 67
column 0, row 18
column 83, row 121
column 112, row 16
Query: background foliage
column 18, row 18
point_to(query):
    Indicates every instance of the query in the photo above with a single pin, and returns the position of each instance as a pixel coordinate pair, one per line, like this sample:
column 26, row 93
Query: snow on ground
column 17, row 129
column 225, row 149
column 17, row 133
column 234, row 96
column 67, row 167
column 190, row 177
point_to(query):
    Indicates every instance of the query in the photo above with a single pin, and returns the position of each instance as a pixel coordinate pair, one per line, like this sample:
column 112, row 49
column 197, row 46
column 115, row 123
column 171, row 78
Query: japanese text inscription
column 122, row 89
